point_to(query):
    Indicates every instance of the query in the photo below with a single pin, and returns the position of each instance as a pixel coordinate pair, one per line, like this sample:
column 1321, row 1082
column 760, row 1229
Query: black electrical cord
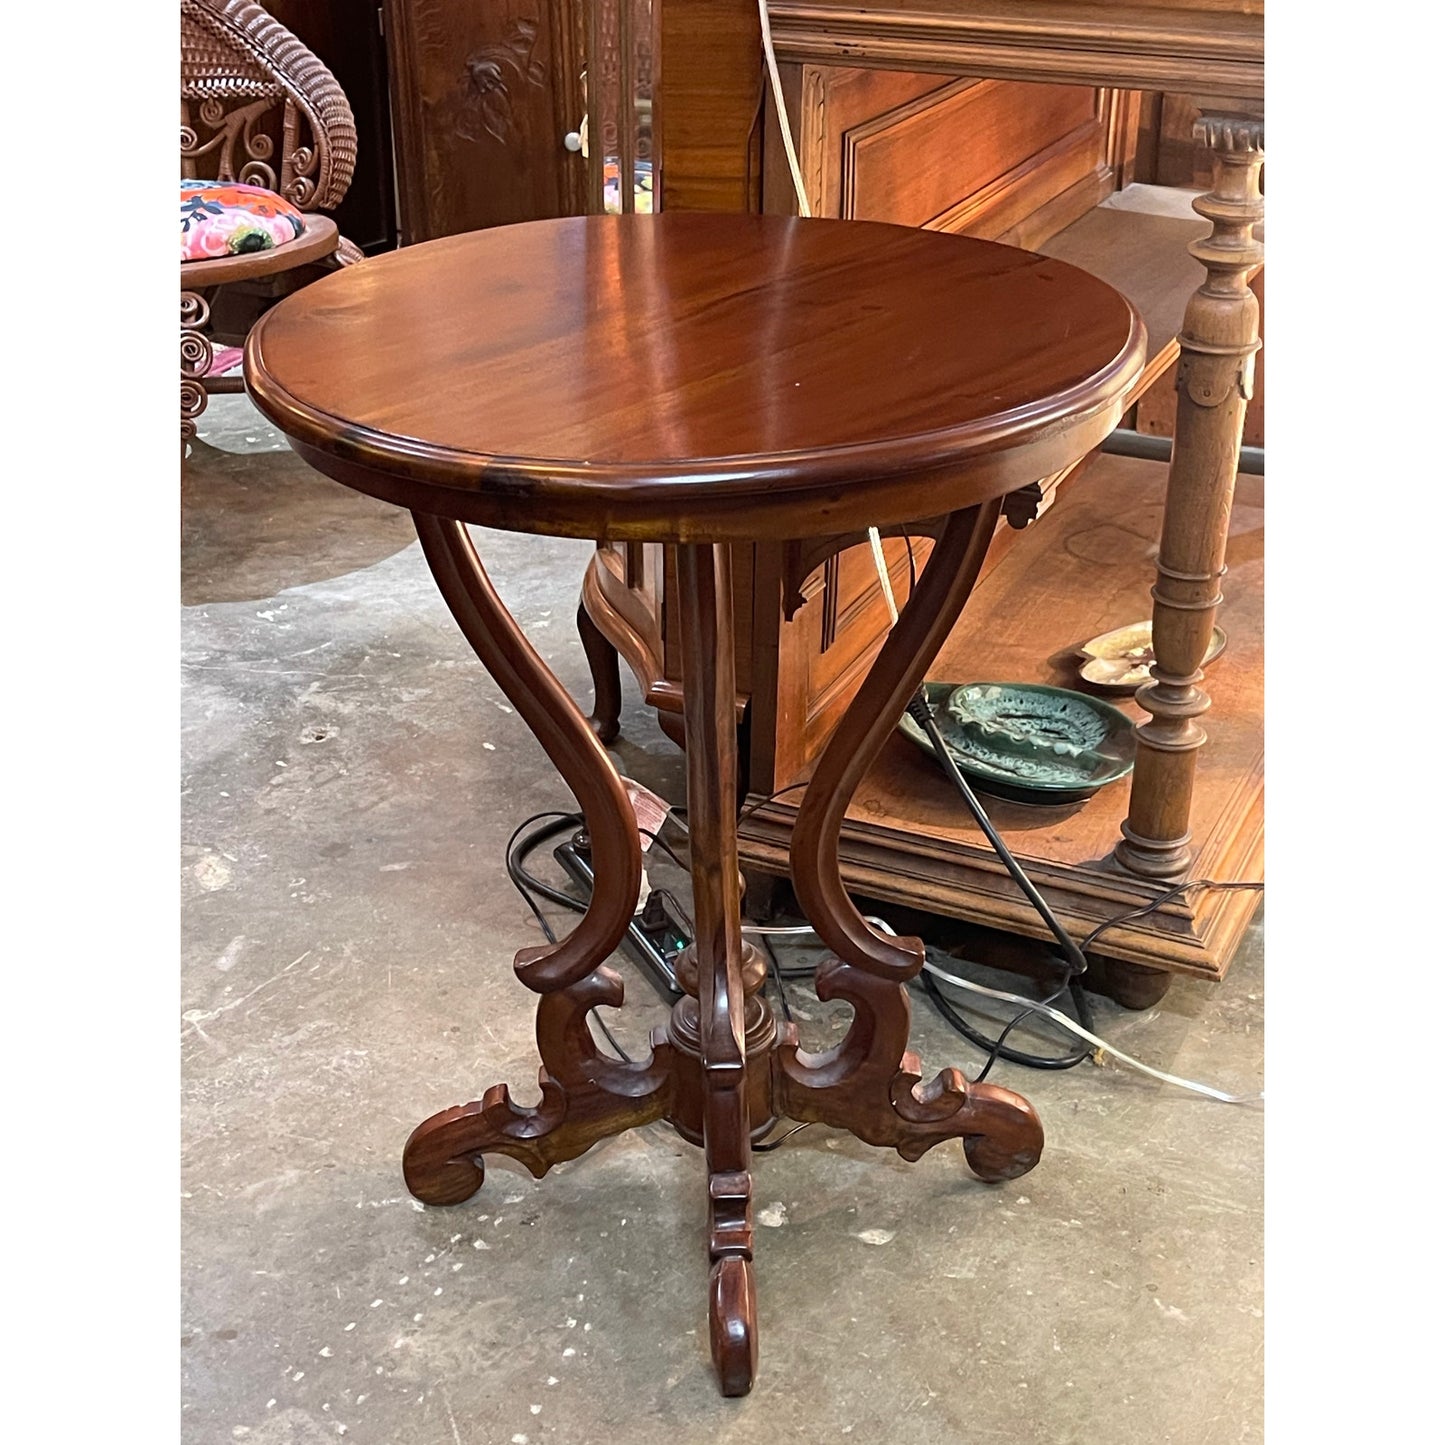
column 922, row 714
column 771, row 1144
column 680, row 813
column 517, row 874
column 1076, row 964
column 531, row 887
column 777, row 972
column 996, row 1048
column 523, row 880
column 1168, row 897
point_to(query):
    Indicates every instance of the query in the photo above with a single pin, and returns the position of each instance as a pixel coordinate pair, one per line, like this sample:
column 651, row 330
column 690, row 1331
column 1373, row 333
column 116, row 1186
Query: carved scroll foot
column 602, row 661
column 733, row 1325
column 586, row 1096
column 872, row 1085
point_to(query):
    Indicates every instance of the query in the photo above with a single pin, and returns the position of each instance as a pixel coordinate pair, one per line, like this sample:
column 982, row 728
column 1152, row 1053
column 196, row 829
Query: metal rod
column 1126, row 443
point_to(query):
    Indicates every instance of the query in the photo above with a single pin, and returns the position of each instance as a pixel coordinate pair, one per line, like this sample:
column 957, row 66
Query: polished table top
column 694, row 377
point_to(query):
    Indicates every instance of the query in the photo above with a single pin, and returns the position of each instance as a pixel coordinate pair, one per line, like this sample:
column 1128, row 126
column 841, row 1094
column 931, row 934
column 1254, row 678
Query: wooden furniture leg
column 602, row 662
column 1215, row 381
column 196, row 358
column 870, row 1084
column 586, row 1096
column 722, row 1071
column 724, row 1021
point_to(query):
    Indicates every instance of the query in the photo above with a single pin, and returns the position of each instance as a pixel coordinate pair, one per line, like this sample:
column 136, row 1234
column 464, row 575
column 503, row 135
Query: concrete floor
column 350, row 777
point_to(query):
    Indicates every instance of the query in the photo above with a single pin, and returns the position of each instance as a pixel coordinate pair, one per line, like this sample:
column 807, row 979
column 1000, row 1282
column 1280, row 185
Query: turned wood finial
column 1221, row 323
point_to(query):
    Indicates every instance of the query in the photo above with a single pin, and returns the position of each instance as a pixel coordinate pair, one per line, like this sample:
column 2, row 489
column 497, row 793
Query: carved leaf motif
column 485, row 97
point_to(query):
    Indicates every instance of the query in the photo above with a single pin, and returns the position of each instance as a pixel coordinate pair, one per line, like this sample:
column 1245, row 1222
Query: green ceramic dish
column 1028, row 742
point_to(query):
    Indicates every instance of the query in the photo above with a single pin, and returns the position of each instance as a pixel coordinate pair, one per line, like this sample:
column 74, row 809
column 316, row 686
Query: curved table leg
column 603, row 664
column 870, row 1084
column 723, row 1024
column 585, row 1095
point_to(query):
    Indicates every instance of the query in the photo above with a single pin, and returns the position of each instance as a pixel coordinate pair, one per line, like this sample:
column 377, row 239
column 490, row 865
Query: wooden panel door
column 484, row 94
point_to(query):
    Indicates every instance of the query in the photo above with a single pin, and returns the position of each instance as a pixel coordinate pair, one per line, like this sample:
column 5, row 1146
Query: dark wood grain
column 482, row 94
column 694, row 378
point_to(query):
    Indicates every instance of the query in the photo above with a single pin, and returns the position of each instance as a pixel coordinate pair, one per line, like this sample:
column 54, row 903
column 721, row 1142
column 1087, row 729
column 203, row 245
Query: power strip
column 659, row 931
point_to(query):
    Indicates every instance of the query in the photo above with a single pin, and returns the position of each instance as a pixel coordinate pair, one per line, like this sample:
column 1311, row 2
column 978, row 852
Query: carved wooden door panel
column 484, row 94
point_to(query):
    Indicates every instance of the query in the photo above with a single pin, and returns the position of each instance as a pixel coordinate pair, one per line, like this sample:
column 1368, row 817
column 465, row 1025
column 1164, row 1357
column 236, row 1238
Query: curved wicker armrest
column 233, row 49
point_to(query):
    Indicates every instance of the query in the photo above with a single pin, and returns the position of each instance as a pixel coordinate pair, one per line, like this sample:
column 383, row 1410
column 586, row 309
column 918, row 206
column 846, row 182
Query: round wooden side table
column 705, row 380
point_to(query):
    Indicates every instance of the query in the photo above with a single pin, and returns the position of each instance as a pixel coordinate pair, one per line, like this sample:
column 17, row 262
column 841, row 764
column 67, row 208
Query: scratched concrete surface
column 350, row 775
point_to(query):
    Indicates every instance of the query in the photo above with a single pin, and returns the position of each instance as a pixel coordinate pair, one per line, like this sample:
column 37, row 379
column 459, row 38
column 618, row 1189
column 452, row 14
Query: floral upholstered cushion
column 224, row 218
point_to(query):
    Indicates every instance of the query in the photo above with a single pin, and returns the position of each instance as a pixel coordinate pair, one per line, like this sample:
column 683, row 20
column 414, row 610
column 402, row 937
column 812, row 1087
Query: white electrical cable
column 881, row 564
column 1033, row 1006
column 1065, row 1021
column 804, row 209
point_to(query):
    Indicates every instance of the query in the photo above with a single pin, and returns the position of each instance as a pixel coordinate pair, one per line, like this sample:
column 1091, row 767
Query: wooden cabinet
column 1016, row 121
column 483, row 96
column 518, row 110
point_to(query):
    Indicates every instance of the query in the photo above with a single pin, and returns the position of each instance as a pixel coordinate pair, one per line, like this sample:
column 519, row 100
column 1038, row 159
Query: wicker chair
column 249, row 87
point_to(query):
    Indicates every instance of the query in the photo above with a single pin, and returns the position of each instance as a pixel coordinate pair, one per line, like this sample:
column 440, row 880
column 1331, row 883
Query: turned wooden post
column 724, row 1022
column 1215, row 381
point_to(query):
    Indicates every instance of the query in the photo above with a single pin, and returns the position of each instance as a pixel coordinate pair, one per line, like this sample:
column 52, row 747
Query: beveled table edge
column 710, row 499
